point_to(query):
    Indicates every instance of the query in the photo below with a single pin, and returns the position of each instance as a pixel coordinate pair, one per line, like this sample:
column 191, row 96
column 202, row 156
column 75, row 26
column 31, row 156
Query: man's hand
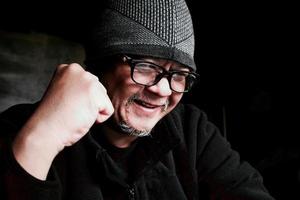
column 73, row 102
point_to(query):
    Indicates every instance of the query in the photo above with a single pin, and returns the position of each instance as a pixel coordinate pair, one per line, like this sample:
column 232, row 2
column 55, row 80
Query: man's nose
column 162, row 88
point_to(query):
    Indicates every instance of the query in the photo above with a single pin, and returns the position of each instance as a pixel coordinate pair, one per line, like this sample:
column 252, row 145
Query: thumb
column 105, row 112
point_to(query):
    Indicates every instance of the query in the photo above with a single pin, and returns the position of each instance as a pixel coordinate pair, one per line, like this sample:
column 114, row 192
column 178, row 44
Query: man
column 116, row 130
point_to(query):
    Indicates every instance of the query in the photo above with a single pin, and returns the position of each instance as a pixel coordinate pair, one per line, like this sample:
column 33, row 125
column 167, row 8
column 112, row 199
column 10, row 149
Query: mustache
column 137, row 96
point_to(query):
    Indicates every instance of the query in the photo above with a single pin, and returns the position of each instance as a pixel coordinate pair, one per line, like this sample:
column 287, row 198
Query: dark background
column 246, row 53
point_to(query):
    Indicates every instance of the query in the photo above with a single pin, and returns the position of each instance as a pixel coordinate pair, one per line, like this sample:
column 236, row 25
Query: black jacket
column 185, row 158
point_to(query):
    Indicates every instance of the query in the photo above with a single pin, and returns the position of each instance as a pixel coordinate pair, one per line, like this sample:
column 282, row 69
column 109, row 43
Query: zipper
column 131, row 193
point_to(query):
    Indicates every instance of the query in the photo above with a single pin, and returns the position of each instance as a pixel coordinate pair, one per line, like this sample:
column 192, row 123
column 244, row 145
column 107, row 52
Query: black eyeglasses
column 148, row 74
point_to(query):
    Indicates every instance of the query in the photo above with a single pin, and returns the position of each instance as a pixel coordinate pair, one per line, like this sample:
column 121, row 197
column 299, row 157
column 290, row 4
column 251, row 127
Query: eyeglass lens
column 148, row 74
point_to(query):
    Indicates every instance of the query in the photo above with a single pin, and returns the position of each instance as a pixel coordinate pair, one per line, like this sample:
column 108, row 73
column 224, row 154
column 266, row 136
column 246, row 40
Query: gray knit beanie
column 156, row 28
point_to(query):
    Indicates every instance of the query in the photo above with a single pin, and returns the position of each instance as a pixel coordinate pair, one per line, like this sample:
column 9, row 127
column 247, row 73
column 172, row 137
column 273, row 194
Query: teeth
column 144, row 104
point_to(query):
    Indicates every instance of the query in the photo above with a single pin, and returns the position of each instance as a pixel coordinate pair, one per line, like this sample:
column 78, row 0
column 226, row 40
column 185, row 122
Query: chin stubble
column 126, row 128
column 129, row 129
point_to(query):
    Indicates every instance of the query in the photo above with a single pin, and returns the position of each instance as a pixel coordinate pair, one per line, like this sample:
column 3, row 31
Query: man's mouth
column 146, row 104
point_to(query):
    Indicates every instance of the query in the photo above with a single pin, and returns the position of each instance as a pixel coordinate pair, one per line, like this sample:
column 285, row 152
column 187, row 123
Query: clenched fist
column 73, row 102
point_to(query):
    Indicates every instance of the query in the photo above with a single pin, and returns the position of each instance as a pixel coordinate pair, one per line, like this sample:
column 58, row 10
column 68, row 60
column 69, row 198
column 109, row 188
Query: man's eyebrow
column 180, row 68
column 156, row 61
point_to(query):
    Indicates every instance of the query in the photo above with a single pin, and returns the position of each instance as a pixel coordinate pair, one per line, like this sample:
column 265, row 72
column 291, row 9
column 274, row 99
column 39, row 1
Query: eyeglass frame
column 165, row 73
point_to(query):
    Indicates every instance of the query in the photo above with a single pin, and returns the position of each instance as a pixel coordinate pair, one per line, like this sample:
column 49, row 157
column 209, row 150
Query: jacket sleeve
column 15, row 182
column 219, row 168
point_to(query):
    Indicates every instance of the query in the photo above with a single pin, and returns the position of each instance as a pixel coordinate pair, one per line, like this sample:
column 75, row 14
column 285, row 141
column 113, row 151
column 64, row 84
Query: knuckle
column 61, row 67
column 69, row 68
column 89, row 78
column 92, row 76
column 75, row 67
column 102, row 87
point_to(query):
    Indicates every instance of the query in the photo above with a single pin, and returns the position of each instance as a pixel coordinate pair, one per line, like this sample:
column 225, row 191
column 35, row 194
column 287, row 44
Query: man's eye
column 146, row 68
column 179, row 77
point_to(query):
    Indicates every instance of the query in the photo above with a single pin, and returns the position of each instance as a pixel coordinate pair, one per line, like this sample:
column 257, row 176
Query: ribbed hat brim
column 120, row 34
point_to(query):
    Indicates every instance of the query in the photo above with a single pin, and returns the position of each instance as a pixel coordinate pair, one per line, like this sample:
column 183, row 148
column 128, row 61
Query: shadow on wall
column 27, row 62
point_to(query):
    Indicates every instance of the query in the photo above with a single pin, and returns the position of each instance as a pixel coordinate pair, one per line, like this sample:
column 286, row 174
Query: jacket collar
column 164, row 137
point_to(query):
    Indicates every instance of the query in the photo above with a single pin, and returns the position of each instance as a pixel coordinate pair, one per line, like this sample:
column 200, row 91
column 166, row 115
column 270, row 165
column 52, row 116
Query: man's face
column 138, row 107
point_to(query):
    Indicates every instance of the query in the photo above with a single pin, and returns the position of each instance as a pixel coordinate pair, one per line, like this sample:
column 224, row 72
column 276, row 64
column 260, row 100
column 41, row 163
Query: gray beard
column 127, row 129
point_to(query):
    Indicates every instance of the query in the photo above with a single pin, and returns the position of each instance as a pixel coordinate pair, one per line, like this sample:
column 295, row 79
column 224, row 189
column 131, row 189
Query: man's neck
column 120, row 140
